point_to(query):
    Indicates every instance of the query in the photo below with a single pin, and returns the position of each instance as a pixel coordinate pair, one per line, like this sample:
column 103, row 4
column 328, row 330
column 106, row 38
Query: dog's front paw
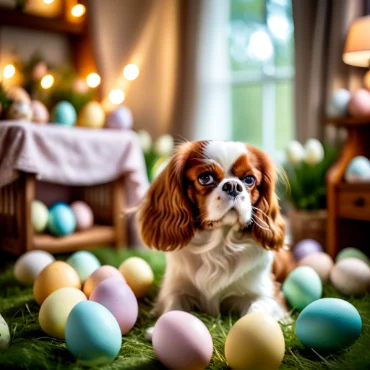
column 172, row 303
column 272, row 307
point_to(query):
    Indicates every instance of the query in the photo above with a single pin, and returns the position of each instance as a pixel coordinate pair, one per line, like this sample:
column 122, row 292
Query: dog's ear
column 165, row 217
column 272, row 233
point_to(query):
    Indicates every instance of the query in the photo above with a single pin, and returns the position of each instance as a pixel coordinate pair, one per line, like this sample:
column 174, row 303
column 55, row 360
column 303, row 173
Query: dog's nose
column 232, row 188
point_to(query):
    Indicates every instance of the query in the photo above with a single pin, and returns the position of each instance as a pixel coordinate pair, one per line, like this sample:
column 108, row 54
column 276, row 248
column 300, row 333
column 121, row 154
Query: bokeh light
column 93, row 80
column 131, row 72
column 9, row 71
column 47, row 82
column 116, row 96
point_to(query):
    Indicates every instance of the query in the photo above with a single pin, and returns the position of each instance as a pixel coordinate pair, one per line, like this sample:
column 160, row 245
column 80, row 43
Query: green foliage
column 308, row 182
column 151, row 158
column 32, row 349
column 5, row 102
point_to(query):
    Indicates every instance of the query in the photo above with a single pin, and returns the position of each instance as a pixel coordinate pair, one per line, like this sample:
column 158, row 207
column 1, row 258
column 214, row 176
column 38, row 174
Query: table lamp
column 357, row 48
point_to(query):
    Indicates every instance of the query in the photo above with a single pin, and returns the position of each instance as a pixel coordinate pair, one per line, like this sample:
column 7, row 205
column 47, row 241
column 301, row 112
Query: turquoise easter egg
column 328, row 324
column 92, row 334
column 85, row 263
column 358, row 170
column 62, row 220
column 301, row 287
column 64, row 114
column 352, row 253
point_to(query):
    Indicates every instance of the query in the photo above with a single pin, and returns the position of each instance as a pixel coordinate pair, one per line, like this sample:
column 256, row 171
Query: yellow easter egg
column 57, row 275
column 255, row 341
column 138, row 274
column 92, row 115
column 56, row 308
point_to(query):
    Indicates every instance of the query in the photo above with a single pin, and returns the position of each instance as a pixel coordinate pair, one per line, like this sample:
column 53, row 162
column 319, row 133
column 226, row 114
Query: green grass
column 32, row 349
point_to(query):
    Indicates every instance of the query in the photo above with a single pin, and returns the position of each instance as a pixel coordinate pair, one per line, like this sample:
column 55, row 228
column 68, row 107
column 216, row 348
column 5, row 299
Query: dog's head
column 206, row 185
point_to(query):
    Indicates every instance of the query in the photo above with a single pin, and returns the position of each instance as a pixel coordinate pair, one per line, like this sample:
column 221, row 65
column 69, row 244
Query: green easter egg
column 39, row 216
column 302, row 287
column 352, row 253
column 4, row 334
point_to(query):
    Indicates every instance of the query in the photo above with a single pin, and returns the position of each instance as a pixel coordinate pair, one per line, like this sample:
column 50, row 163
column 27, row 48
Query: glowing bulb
column 78, row 10
column 116, row 96
column 48, row 1
column 47, row 82
column 9, row 71
column 93, row 80
column 131, row 71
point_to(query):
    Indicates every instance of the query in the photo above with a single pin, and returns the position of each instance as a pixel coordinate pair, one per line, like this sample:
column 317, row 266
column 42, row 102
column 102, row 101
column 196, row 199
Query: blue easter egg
column 85, row 263
column 358, row 170
column 328, row 324
column 121, row 118
column 64, row 114
column 301, row 287
column 62, row 220
column 92, row 334
column 338, row 105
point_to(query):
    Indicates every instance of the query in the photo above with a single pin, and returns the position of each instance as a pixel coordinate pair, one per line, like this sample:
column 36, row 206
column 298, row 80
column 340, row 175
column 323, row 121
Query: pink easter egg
column 359, row 105
column 120, row 300
column 40, row 113
column 84, row 215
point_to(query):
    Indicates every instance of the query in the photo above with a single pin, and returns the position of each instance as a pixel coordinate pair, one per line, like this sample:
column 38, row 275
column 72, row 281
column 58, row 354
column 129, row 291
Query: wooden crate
column 16, row 232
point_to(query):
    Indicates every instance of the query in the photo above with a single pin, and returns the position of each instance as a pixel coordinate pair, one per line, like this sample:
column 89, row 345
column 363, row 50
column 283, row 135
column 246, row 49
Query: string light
column 116, row 96
column 9, row 71
column 131, row 72
column 78, row 10
column 93, row 80
column 47, row 82
column 48, row 1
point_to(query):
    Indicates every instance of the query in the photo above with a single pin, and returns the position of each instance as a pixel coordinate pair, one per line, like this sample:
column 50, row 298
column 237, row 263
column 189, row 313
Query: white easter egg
column 4, row 334
column 321, row 262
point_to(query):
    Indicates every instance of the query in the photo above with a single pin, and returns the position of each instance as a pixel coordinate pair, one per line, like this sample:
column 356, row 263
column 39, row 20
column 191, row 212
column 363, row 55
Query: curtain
column 320, row 28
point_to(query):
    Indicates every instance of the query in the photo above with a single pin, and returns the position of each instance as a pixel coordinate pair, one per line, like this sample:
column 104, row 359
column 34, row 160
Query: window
column 261, row 60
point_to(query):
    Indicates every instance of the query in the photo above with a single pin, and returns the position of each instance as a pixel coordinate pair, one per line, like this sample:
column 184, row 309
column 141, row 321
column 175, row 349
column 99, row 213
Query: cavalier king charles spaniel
column 215, row 211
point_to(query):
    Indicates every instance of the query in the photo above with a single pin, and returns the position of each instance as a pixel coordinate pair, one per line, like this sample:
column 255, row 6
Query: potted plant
column 306, row 167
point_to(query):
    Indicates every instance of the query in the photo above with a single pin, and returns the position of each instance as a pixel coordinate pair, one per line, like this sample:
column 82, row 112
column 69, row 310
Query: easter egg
column 39, row 216
column 102, row 273
column 92, row 334
column 301, row 287
column 29, row 265
column 314, row 151
column 92, row 115
column 328, row 324
column 255, row 342
column 54, row 276
column 56, row 308
column 119, row 299
column 358, row 170
column 64, row 114
column 163, row 146
column 338, row 105
column 83, row 214
column 85, row 263
column 359, row 105
column 321, row 262
column 305, row 247
column 4, row 334
column 351, row 276
column 18, row 95
column 352, row 252
column 121, row 118
column 138, row 275
column 40, row 113
column 19, row 111
column 182, row 342
column 61, row 220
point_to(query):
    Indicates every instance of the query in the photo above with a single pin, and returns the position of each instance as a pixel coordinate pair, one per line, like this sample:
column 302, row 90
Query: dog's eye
column 249, row 181
column 205, row 179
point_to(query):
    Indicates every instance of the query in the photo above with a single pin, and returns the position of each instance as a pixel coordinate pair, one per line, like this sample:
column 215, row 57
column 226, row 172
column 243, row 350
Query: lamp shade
column 357, row 47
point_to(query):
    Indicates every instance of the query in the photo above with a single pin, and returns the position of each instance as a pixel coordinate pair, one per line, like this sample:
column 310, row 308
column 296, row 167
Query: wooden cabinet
column 349, row 204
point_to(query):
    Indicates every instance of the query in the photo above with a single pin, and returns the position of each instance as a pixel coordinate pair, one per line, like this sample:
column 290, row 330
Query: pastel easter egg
column 64, row 114
column 121, row 118
column 92, row 115
column 321, row 262
column 359, row 105
column 4, row 334
column 29, row 265
column 83, row 214
column 56, row 308
column 39, row 216
column 328, row 324
column 338, row 105
column 62, row 220
column 92, row 334
column 18, row 95
column 40, row 113
column 182, row 342
column 352, row 253
column 358, row 170
column 120, row 300
column 85, row 263
column 19, row 111
column 305, row 247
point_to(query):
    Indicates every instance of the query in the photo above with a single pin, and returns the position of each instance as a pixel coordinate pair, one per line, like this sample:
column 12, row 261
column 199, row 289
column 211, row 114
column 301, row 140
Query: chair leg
column 119, row 220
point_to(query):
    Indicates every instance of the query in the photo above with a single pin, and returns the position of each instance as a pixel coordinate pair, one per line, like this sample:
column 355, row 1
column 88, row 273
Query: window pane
column 247, row 114
column 284, row 113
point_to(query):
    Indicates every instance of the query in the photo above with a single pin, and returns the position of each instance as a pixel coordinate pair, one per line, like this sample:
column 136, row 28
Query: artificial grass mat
column 31, row 348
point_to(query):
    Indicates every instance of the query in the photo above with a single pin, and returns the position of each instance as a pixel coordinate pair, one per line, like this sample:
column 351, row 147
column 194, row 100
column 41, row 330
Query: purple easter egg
column 306, row 247
column 121, row 119
column 120, row 300
column 182, row 342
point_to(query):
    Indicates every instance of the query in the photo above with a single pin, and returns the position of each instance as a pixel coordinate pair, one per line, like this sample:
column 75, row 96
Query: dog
column 215, row 213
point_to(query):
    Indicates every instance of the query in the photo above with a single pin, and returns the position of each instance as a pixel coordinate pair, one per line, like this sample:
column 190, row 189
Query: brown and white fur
column 220, row 228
